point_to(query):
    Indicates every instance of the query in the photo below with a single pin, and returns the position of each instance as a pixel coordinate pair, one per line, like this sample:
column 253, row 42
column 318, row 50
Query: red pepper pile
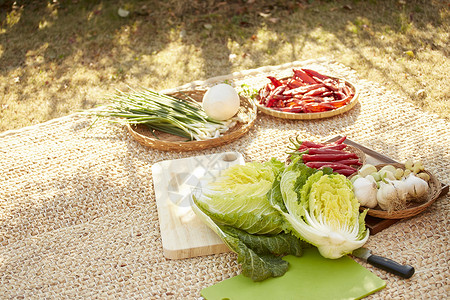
column 307, row 91
column 333, row 155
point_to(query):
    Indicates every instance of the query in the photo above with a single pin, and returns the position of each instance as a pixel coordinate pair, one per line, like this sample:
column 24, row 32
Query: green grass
column 60, row 57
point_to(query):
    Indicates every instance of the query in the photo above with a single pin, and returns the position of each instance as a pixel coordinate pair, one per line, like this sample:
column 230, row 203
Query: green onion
column 185, row 118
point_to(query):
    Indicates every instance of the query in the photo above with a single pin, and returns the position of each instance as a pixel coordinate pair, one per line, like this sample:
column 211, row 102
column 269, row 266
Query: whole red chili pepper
column 327, row 157
column 310, row 144
column 350, row 162
column 335, row 146
column 340, row 140
column 345, row 172
column 326, row 150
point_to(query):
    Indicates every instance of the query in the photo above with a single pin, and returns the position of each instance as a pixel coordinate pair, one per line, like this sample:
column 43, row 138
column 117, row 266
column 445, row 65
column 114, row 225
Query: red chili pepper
column 327, row 157
column 316, row 92
column 339, row 95
column 330, row 84
column 300, row 74
column 340, row 140
column 335, row 146
column 326, row 150
column 293, row 83
column 314, row 73
column 270, row 101
column 345, row 172
column 275, row 81
column 303, row 89
column 310, row 144
column 350, row 162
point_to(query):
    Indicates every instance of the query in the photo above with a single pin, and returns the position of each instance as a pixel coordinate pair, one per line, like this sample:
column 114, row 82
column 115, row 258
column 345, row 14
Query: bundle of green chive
column 185, row 118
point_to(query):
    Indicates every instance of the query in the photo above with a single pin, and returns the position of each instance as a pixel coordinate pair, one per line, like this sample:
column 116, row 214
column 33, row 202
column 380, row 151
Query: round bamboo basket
column 311, row 116
column 168, row 142
column 412, row 208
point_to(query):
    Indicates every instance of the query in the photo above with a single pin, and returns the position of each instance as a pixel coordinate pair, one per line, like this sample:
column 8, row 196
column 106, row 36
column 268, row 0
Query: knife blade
column 405, row 271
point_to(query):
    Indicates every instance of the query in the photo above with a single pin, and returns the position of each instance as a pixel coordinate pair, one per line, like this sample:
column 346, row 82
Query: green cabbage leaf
column 238, row 198
column 259, row 255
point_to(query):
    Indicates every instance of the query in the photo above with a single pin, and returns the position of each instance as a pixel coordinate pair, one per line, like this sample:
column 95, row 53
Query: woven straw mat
column 78, row 217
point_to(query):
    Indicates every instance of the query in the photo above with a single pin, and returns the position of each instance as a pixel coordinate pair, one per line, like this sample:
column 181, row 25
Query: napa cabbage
column 238, row 198
column 263, row 211
column 323, row 211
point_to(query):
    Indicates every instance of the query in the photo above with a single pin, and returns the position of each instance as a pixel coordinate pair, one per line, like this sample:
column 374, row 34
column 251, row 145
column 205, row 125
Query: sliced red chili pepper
column 303, row 76
column 279, row 90
column 339, row 95
column 293, row 83
column 275, row 81
column 316, row 92
column 328, row 83
column 315, row 73
column 270, row 101
column 340, row 103
column 303, row 89
column 281, row 97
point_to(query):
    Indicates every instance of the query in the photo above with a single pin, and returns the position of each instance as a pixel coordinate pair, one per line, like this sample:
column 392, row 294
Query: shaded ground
column 57, row 57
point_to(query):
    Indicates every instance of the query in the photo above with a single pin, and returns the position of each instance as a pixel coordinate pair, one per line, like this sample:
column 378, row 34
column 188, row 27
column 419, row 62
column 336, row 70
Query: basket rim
column 311, row 116
column 248, row 108
column 433, row 194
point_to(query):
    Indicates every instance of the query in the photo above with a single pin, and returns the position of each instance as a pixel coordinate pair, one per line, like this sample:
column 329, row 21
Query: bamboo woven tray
column 413, row 208
column 168, row 142
column 312, row 116
column 378, row 224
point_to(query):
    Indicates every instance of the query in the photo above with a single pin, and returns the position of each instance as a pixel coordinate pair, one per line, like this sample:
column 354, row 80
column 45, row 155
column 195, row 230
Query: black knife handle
column 405, row 271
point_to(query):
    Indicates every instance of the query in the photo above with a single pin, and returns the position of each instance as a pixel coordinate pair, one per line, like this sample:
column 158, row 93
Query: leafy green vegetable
column 185, row 118
column 324, row 212
column 263, row 211
column 259, row 255
column 238, row 198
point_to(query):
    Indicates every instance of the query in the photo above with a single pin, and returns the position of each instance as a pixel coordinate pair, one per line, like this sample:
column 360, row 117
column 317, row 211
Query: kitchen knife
column 405, row 271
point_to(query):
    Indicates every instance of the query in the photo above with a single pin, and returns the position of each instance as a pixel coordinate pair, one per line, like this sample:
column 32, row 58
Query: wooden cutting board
column 183, row 234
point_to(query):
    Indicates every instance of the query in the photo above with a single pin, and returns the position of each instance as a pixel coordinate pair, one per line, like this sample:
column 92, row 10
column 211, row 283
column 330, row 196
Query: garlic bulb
column 401, row 188
column 386, row 195
column 392, row 195
column 365, row 192
column 415, row 186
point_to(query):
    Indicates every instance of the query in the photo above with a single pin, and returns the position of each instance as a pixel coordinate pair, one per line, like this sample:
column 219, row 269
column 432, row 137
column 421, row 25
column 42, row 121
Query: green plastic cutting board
column 310, row 276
